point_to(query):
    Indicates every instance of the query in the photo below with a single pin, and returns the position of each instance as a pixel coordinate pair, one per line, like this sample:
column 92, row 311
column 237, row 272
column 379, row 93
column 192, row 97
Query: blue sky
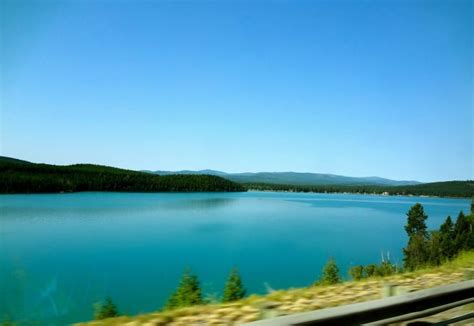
column 357, row 88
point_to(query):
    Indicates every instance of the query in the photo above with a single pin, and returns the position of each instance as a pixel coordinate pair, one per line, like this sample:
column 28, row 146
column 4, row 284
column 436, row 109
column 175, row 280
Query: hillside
column 18, row 176
column 294, row 178
column 440, row 189
column 330, row 183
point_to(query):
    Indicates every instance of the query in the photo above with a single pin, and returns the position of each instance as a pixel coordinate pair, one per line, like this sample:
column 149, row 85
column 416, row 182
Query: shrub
column 356, row 272
column 105, row 310
column 386, row 268
column 330, row 273
column 370, row 270
column 234, row 288
column 188, row 292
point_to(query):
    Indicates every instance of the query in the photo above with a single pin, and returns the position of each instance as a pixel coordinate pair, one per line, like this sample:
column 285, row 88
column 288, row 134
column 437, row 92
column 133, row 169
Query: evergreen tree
column 370, row 270
column 356, row 272
column 234, row 288
column 446, row 234
column 330, row 273
column 470, row 219
column 172, row 301
column 462, row 232
column 416, row 221
column 435, row 255
column 416, row 253
column 105, row 310
column 187, row 294
column 386, row 268
column 472, row 206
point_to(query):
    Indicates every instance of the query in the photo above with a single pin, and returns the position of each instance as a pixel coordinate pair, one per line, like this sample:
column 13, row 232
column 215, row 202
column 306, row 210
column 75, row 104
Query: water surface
column 60, row 253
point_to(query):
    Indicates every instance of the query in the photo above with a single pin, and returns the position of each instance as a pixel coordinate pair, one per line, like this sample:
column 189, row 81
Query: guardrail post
column 388, row 290
column 268, row 310
column 469, row 274
column 399, row 290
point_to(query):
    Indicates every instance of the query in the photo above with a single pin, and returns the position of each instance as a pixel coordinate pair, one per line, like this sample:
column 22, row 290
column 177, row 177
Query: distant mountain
column 209, row 172
column 294, row 178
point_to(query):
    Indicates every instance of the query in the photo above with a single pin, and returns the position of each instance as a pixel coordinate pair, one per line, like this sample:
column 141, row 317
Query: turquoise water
column 60, row 253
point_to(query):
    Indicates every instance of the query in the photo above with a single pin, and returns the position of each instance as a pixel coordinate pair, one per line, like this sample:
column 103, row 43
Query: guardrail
column 384, row 311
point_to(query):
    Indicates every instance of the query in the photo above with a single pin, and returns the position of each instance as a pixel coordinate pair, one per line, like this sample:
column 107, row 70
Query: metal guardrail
column 384, row 311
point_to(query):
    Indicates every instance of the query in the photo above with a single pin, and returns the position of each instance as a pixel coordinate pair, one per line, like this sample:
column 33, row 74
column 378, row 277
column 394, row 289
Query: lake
column 60, row 253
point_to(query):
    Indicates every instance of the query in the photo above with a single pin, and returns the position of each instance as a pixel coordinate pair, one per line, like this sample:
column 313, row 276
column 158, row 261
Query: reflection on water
column 212, row 227
column 203, row 203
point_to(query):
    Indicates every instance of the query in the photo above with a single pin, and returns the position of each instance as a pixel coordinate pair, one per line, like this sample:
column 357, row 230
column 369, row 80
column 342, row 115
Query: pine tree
column 172, row 301
column 472, row 205
column 356, row 272
column 187, row 294
column 370, row 270
column 386, row 268
column 330, row 273
column 105, row 310
column 435, row 256
column 416, row 254
column 462, row 232
column 447, row 245
column 470, row 243
column 234, row 288
column 416, row 221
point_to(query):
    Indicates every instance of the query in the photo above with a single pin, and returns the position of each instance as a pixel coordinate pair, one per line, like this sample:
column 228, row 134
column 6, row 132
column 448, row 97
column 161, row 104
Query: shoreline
column 361, row 193
column 245, row 191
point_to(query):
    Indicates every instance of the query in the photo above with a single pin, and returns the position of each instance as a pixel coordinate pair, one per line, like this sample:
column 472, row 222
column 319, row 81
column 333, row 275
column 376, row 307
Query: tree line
column 425, row 248
column 440, row 189
column 25, row 177
column 17, row 176
column 431, row 248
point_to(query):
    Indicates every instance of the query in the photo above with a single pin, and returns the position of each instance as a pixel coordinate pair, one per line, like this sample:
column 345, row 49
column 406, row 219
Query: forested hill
column 441, row 189
column 295, row 178
column 17, row 176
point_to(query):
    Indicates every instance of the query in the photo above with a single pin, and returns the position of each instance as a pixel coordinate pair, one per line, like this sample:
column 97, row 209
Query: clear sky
column 358, row 88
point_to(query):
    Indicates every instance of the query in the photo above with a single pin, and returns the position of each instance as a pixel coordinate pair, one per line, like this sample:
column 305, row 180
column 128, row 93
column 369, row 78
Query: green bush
column 357, row 272
column 105, row 310
column 370, row 270
column 386, row 268
column 234, row 288
column 187, row 294
column 330, row 273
